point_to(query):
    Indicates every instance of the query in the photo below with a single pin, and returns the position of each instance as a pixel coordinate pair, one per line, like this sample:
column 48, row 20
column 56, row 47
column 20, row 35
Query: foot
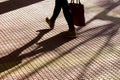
column 70, row 34
column 50, row 23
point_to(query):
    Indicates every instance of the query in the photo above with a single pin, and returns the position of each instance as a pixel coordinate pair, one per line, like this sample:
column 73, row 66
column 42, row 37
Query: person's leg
column 56, row 12
column 67, row 14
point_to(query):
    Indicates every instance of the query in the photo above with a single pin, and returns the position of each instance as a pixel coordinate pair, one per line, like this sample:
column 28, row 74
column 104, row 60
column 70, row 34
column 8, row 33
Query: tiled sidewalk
column 29, row 50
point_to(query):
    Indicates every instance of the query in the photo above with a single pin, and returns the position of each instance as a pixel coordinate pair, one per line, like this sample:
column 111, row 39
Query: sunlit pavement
column 29, row 50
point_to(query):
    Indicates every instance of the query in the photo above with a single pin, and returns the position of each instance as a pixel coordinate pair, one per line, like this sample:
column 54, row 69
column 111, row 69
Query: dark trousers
column 63, row 4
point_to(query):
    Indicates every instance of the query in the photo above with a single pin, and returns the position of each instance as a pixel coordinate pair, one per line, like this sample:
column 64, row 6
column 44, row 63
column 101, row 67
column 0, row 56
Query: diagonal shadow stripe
column 15, row 4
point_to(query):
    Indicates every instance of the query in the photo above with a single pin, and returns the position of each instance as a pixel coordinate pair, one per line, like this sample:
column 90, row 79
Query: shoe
column 70, row 34
column 50, row 23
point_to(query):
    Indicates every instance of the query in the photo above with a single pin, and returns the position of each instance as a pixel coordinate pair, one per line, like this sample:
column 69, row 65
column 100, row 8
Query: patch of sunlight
column 118, row 48
column 95, row 9
column 115, row 0
column 74, row 58
column 115, row 12
column 91, row 12
column 112, row 14
column 99, row 22
column 1, row 1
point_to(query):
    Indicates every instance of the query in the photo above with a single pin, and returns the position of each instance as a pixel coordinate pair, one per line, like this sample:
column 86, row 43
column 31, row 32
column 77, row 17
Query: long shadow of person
column 42, row 47
column 47, row 45
column 12, row 59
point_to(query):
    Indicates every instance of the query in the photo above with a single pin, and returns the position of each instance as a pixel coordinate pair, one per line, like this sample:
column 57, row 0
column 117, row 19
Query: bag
column 77, row 10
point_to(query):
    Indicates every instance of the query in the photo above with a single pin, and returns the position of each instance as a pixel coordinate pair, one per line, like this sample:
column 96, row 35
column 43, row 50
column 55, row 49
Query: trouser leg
column 56, row 11
column 67, row 14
